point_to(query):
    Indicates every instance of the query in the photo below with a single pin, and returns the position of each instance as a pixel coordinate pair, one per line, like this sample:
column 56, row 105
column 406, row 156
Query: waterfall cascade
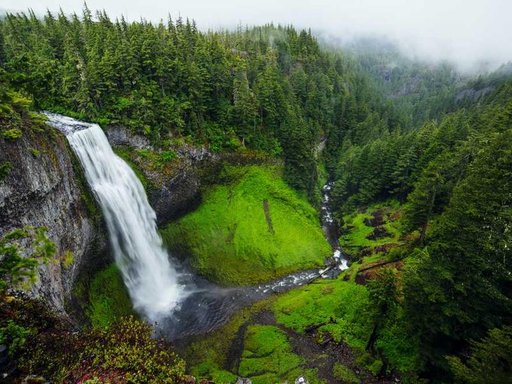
column 181, row 302
column 151, row 280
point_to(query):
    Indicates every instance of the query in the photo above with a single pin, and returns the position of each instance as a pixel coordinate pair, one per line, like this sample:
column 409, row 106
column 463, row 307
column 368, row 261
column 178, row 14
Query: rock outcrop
column 45, row 187
column 173, row 189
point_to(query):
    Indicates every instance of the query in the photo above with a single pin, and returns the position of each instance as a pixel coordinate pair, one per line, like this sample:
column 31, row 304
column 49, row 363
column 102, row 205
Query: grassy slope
column 230, row 240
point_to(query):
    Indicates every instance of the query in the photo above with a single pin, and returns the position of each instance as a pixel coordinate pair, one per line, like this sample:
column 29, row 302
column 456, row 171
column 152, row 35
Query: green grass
column 336, row 306
column 231, row 239
column 108, row 298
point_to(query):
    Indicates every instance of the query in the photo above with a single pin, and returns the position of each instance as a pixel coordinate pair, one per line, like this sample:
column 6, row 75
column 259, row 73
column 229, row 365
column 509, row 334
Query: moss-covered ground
column 251, row 228
column 108, row 298
column 320, row 330
column 372, row 230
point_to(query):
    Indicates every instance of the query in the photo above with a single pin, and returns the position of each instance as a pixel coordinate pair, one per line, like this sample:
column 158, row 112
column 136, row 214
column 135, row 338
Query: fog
column 470, row 33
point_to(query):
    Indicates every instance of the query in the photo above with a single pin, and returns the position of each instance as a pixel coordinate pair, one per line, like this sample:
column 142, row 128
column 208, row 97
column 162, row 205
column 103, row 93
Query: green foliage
column 344, row 374
column 67, row 259
column 265, row 88
column 490, row 360
column 252, row 228
column 21, row 251
column 5, row 169
column 12, row 134
column 108, row 298
column 459, row 282
column 14, row 336
column 123, row 352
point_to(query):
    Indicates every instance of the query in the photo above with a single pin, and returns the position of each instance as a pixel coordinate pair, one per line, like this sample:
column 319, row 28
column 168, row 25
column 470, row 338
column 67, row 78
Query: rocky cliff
column 45, row 187
column 173, row 186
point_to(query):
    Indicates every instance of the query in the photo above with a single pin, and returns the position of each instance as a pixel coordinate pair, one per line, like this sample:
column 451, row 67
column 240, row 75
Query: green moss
column 5, row 169
column 337, row 307
column 108, row 298
column 210, row 371
column 251, row 229
column 208, row 353
column 344, row 374
column 356, row 231
column 268, row 357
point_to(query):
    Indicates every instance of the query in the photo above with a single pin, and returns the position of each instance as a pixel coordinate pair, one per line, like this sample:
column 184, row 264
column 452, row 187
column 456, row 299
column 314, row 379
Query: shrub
column 17, row 268
column 12, row 134
column 5, row 169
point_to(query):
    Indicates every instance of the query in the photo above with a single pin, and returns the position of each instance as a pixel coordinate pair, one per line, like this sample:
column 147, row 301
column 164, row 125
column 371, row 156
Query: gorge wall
column 46, row 187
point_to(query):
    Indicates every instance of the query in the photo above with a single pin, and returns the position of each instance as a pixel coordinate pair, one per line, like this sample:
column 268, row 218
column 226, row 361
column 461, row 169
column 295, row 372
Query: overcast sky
column 465, row 31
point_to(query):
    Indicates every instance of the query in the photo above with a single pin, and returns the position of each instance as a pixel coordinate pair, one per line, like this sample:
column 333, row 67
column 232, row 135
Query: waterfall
column 151, row 280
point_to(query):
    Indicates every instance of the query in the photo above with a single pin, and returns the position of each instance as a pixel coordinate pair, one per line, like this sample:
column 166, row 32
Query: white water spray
column 150, row 278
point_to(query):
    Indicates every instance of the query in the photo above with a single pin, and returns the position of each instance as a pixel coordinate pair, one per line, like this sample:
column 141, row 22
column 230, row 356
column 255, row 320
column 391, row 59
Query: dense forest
column 426, row 139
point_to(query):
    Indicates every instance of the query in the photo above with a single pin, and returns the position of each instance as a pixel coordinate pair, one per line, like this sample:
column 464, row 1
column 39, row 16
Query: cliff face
column 173, row 188
column 46, row 187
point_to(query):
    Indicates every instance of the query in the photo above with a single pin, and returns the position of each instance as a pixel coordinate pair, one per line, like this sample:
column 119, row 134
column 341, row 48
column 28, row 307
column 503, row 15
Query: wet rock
column 44, row 189
column 118, row 135
column 243, row 380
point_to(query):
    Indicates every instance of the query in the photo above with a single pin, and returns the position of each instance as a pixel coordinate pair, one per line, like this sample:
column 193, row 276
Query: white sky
column 465, row 31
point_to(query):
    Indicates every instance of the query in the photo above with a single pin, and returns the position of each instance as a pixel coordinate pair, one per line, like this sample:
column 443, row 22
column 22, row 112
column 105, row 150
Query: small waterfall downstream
column 331, row 228
column 151, row 280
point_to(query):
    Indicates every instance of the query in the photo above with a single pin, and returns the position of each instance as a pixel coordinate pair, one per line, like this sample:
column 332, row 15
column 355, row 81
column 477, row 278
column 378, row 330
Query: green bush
column 5, row 169
column 18, row 261
column 14, row 336
column 12, row 134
